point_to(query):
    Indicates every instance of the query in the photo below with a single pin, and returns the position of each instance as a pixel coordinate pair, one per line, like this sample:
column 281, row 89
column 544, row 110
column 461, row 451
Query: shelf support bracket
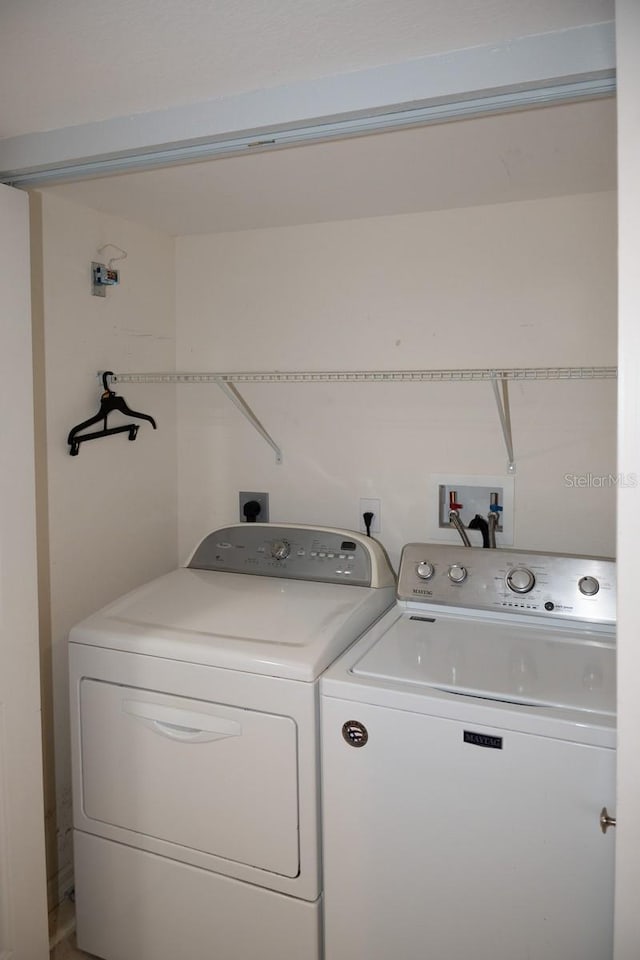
column 236, row 397
column 504, row 412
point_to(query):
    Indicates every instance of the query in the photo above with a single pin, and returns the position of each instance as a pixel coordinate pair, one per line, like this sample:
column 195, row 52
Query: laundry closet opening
column 486, row 243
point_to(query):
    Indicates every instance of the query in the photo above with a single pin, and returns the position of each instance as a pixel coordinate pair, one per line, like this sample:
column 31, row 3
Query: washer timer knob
column 425, row 570
column 520, row 580
column 588, row 586
column 280, row 549
column 457, row 573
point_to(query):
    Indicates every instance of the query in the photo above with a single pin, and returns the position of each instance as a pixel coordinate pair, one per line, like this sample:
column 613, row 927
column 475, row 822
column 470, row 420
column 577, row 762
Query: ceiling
column 545, row 152
column 69, row 62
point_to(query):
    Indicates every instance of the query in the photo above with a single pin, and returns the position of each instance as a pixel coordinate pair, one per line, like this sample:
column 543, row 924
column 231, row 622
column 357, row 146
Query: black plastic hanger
column 109, row 402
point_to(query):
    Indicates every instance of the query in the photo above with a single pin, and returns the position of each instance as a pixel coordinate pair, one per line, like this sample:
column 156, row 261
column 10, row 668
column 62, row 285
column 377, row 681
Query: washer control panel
column 527, row 582
column 296, row 553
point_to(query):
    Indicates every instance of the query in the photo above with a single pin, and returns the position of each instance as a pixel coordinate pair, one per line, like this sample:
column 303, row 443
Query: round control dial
column 280, row 549
column 588, row 586
column 425, row 570
column 520, row 580
column 457, row 573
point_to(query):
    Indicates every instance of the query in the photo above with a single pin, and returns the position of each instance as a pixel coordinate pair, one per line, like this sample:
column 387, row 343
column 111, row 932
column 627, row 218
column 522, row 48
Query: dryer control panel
column 295, row 553
column 511, row 581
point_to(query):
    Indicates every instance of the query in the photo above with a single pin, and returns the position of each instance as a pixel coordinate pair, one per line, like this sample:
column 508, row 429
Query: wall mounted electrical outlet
column 247, row 497
column 369, row 506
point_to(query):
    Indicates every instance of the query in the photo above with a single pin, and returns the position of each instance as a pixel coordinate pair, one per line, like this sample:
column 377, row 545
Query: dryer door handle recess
column 183, row 725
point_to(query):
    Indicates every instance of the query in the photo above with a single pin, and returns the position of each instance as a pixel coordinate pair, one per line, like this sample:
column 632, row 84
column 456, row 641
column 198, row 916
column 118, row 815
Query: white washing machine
column 194, row 705
column 468, row 756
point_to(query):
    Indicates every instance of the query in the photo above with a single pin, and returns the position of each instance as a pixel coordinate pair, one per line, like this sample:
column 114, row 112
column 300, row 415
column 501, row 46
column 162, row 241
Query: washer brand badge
column 355, row 733
column 423, row 593
column 482, row 740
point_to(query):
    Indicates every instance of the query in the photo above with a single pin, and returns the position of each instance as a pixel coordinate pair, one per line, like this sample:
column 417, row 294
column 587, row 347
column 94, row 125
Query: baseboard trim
column 62, row 923
column 59, row 886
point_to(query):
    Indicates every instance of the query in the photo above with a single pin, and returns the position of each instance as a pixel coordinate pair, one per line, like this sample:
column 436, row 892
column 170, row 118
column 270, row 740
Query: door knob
column 606, row 821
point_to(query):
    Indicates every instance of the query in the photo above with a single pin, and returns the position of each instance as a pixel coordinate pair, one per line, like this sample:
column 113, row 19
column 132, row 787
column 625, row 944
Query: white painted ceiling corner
column 573, row 63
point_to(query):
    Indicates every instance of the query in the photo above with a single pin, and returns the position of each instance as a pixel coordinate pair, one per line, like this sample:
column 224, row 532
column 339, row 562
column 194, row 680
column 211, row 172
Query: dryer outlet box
column 248, row 497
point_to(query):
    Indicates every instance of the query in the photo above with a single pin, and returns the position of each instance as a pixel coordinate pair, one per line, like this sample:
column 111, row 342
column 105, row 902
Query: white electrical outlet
column 370, row 506
column 474, row 492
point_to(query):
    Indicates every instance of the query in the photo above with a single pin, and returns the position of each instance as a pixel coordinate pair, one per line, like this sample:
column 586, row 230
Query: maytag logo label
column 423, row 593
column 482, row 740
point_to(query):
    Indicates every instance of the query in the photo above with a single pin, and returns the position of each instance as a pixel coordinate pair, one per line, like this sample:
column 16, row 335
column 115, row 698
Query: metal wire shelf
column 495, row 376
column 374, row 376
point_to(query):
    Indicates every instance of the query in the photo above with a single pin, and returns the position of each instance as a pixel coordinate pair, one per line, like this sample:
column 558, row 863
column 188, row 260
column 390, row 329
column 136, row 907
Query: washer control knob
column 280, row 549
column 425, row 570
column 588, row 586
column 457, row 573
column 520, row 580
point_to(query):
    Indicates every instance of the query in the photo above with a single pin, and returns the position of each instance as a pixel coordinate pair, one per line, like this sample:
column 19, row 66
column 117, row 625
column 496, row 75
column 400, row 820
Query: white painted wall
column 110, row 521
column 627, row 925
column 522, row 284
column 23, row 913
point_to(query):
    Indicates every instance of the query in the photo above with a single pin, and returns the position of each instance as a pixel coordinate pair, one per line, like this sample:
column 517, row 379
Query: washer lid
column 275, row 627
column 513, row 663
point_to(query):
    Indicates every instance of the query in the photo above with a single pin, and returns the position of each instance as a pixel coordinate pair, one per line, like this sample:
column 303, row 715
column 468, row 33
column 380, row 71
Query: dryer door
column 219, row 779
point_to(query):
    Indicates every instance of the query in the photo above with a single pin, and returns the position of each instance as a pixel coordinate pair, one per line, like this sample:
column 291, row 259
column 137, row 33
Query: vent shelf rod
column 226, row 382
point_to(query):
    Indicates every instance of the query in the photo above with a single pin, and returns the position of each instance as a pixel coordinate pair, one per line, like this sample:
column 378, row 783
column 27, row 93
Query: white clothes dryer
column 194, row 712
column 468, row 757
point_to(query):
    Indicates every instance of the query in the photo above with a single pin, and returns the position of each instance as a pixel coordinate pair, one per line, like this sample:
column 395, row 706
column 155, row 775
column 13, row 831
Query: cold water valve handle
column 494, row 519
